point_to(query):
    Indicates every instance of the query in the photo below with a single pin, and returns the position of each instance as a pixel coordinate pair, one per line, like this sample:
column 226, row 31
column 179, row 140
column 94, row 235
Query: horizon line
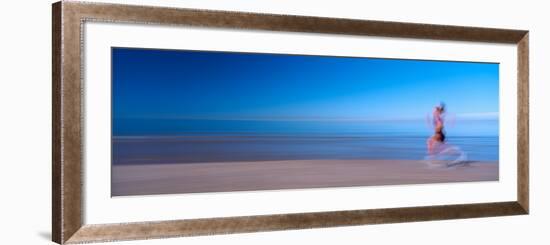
column 461, row 116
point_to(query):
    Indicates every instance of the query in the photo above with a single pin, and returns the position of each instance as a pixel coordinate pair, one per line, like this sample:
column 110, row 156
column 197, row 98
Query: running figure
column 437, row 147
column 439, row 134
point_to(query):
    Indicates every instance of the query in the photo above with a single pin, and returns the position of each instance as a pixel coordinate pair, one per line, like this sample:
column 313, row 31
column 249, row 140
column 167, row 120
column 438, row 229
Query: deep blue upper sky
column 171, row 84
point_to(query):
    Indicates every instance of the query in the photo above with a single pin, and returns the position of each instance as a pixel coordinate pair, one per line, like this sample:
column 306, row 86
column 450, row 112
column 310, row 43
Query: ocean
column 197, row 141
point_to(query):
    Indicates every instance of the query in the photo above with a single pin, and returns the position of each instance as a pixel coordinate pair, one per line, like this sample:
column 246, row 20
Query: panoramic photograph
column 192, row 121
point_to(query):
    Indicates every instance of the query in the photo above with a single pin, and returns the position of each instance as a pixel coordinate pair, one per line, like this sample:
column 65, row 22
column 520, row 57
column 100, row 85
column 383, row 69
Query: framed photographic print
column 162, row 114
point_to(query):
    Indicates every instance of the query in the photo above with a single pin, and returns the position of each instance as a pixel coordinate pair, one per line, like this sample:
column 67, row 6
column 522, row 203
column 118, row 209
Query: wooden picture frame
column 67, row 198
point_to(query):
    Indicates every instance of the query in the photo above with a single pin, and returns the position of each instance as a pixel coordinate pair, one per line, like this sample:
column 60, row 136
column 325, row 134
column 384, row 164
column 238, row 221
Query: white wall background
column 25, row 122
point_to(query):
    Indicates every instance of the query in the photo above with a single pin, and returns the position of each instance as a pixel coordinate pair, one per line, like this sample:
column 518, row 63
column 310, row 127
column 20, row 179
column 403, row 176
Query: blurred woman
column 438, row 124
column 438, row 149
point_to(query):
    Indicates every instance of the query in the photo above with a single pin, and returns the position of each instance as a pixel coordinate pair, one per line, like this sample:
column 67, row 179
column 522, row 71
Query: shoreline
column 174, row 178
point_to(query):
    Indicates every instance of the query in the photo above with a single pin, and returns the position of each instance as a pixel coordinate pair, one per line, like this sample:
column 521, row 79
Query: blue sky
column 171, row 84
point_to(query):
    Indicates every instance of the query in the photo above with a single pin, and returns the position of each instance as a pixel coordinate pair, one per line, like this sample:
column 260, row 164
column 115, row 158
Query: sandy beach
column 148, row 179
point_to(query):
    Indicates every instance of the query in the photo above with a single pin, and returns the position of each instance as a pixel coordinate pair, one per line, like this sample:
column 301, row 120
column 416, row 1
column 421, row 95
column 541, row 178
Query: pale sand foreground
column 291, row 174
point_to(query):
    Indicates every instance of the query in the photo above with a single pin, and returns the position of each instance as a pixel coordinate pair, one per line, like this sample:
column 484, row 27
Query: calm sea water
column 191, row 141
